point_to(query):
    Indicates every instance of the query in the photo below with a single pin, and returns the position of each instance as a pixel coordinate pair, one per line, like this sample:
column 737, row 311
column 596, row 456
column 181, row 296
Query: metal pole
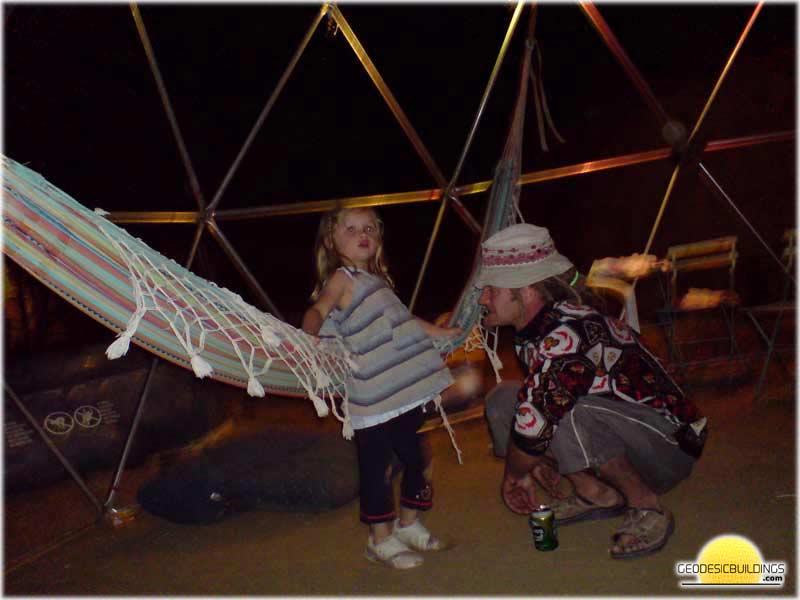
column 433, row 195
column 265, row 111
column 112, row 491
column 428, row 251
column 155, row 216
column 173, row 121
column 697, row 127
column 447, row 190
column 198, row 233
column 750, row 140
column 619, row 52
column 725, row 70
column 718, row 188
column 53, row 448
column 772, row 339
column 661, row 210
column 401, row 117
column 489, row 86
column 315, row 206
column 242, row 268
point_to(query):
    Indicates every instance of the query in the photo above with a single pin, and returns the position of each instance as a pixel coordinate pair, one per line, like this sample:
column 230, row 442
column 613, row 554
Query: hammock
column 163, row 307
column 127, row 286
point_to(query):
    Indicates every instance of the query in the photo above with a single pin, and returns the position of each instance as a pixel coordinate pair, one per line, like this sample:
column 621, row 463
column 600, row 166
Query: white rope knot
column 120, row 346
column 319, row 405
column 200, row 366
column 254, row 387
column 347, row 430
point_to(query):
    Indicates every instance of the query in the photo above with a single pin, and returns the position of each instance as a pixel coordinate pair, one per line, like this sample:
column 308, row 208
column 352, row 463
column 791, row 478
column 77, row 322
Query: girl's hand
column 435, row 331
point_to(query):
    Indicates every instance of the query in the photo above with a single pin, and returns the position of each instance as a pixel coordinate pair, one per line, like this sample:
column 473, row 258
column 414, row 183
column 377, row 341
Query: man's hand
column 519, row 494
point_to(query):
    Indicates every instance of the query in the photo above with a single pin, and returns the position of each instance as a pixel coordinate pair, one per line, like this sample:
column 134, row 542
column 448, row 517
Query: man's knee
column 502, row 399
column 499, row 404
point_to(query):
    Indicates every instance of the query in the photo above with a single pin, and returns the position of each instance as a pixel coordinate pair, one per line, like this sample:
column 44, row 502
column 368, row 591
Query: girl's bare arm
column 331, row 296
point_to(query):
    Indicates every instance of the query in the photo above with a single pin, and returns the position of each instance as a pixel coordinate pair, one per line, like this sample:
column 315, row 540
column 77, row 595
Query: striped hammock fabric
column 151, row 300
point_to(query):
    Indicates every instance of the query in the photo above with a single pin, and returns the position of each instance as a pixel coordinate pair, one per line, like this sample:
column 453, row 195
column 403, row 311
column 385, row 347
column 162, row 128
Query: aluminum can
column 543, row 527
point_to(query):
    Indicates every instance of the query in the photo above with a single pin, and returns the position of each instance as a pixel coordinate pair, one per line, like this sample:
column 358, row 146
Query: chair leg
column 770, row 352
column 729, row 316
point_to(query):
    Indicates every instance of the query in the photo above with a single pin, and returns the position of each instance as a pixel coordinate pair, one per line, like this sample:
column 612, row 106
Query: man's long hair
column 557, row 288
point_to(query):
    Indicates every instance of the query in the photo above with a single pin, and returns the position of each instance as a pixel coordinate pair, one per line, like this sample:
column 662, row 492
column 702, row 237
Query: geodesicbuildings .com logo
column 731, row 561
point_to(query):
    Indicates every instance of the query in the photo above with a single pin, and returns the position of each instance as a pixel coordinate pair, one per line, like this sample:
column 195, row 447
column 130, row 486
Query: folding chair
column 684, row 264
column 776, row 309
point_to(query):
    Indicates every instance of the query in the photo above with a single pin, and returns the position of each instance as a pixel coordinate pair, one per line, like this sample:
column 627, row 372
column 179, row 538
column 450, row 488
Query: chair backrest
column 708, row 254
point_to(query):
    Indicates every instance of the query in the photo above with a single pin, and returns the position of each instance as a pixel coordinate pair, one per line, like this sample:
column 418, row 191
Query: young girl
column 399, row 370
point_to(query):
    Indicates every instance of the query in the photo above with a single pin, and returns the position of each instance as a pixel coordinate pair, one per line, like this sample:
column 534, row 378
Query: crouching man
column 596, row 406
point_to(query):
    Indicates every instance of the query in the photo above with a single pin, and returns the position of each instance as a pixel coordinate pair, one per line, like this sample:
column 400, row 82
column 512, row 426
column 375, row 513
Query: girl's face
column 357, row 237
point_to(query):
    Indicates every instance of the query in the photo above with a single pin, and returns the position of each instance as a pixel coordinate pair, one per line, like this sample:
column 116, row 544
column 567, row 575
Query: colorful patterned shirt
column 573, row 351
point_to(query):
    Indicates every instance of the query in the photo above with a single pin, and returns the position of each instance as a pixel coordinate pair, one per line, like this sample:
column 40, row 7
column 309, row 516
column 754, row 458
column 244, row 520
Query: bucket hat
column 520, row 255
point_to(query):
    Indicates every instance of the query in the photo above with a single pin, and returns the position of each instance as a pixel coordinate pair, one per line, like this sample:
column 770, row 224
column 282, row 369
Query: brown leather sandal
column 575, row 509
column 649, row 526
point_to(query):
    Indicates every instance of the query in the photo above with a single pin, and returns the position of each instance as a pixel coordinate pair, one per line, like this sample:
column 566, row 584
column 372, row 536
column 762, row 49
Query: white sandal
column 417, row 536
column 392, row 553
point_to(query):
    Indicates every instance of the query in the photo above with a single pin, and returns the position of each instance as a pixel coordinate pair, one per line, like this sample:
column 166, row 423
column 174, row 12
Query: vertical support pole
column 446, row 192
column 53, row 448
column 268, row 107
column 112, row 491
column 237, row 261
column 173, row 121
column 611, row 41
column 725, row 70
column 401, row 117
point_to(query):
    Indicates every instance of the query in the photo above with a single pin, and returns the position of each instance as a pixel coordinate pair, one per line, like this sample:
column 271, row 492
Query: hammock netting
column 152, row 300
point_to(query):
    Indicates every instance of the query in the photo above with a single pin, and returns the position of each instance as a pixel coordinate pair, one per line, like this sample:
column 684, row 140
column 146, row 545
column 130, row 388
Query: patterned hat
column 520, row 255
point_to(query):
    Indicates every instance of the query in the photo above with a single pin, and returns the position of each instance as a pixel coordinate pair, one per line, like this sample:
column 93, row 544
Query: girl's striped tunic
column 398, row 366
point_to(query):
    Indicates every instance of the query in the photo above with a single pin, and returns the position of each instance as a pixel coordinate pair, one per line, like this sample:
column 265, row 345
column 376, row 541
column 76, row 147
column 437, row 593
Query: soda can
column 543, row 527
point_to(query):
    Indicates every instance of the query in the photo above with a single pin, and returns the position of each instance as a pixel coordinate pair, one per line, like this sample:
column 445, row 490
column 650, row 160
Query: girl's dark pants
column 375, row 447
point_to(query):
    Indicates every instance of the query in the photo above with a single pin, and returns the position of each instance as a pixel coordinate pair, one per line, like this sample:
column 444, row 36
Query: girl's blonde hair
column 327, row 259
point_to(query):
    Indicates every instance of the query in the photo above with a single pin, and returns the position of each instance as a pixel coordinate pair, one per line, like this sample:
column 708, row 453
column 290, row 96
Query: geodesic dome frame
column 209, row 214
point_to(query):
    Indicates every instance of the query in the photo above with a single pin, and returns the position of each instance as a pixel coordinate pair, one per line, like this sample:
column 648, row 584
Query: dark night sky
column 81, row 108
